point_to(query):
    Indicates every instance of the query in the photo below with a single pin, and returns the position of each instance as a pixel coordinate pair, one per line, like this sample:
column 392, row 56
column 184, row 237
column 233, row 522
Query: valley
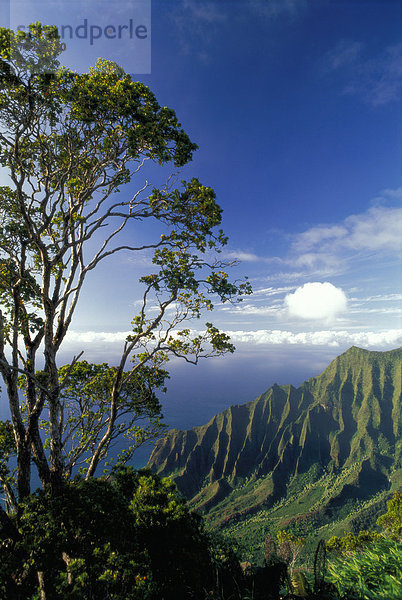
column 316, row 460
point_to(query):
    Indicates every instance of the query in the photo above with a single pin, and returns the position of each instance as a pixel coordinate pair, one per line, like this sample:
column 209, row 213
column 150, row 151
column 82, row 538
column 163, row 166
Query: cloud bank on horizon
column 367, row 339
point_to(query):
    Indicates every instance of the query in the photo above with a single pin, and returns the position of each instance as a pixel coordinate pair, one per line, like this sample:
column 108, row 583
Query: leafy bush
column 174, row 539
column 373, row 574
column 132, row 538
column 80, row 544
column 391, row 522
column 352, row 543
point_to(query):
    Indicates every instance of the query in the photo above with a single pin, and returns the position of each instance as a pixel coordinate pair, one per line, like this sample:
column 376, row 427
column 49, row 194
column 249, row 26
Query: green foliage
column 132, row 538
column 83, row 541
column 287, row 537
column 70, row 143
column 7, row 442
column 352, row 543
column 372, row 574
column 7, row 452
column 85, row 391
column 391, row 521
column 175, row 540
column 289, row 548
column 300, row 584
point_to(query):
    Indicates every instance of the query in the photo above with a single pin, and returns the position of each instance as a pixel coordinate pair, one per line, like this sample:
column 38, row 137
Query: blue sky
column 295, row 106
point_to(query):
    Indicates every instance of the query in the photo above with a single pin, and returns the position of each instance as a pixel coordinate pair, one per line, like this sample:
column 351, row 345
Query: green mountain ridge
column 302, row 457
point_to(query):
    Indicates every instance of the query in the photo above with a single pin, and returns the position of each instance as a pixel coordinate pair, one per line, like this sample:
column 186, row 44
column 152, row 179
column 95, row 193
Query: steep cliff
column 336, row 436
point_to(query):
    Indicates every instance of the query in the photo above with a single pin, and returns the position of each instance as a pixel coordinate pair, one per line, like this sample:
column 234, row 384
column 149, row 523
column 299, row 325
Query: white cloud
column 330, row 248
column 377, row 229
column 243, row 256
column 390, row 338
column 381, row 298
column 377, row 80
column 344, row 53
column 320, row 262
column 396, row 194
column 250, row 309
column 106, row 346
column 322, row 233
column 271, row 291
column 376, row 311
column 316, row 301
column 292, row 276
column 326, row 250
column 250, row 257
column 96, row 337
column 385, row 338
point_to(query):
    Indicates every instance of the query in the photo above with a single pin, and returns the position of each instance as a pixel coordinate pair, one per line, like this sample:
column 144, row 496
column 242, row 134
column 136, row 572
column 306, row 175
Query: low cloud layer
column 96, row 337
column 316, row 301
column 390, row 338
column 387, row 339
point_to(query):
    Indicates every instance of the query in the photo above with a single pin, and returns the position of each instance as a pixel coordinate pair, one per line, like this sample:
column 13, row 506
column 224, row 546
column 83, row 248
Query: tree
column 69, row 142
column 129, row 538
column 391, row 521
column 289, row 547
column 350, row 543
column 368, row 565
column 177, row 545
column 80, row 544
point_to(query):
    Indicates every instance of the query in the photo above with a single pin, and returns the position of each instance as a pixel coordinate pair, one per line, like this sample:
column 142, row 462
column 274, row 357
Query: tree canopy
column 129, row 538
column 69, row 144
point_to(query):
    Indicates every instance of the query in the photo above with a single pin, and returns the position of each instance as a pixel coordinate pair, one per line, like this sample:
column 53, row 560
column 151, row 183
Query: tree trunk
column 21, row 441
column 39, row 456
column 55, row 416
column 41, row 580
column 67, row 559
column 24, row 470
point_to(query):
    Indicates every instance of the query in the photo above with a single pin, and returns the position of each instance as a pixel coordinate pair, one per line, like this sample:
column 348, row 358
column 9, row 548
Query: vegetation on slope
column 134, row 537
column 318, row 460
column 130, row 538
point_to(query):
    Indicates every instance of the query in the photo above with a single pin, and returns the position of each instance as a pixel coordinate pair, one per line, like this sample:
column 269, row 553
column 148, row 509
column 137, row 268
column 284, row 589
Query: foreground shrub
column 174, row 539
column 373, row 574
column 391, row 522
column 132, row 538
column 80, row 544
